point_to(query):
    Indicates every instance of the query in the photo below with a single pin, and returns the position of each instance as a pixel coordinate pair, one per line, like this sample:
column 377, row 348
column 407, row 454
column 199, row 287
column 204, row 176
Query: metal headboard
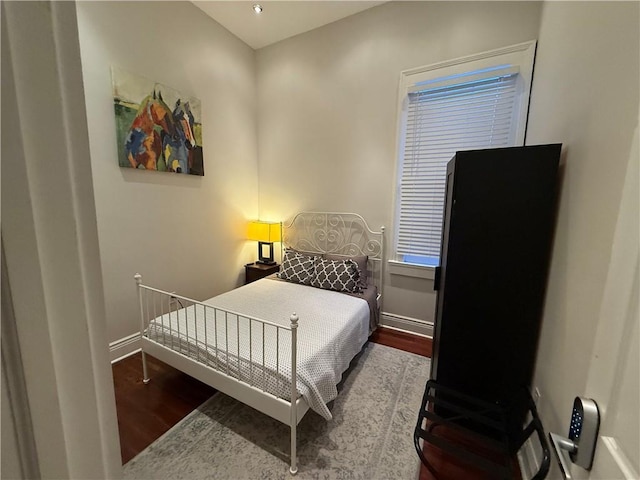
column 346, row 234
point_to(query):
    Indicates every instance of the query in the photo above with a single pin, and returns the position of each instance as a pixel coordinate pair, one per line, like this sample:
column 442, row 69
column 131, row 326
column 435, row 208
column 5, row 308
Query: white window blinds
column 463, row 113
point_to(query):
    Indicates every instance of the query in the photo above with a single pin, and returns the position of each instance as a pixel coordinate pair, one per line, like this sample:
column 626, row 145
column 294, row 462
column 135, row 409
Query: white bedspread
column 332, row 329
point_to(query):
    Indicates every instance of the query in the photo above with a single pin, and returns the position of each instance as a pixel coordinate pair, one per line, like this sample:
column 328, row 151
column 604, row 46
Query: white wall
column 327, row 117
column 52, row 295
column 181, row 232
column 585, row 95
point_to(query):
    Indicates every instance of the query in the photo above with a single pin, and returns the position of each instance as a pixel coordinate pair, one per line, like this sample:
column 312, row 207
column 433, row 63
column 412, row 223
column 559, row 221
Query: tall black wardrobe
column 496, row 242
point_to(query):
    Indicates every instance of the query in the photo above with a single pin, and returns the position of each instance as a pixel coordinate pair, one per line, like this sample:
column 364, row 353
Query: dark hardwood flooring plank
column 450, row 467
column 403, row 341
column 145, row 412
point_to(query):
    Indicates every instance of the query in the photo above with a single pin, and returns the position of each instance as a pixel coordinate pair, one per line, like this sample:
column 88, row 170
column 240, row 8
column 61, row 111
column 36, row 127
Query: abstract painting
column 157, row 127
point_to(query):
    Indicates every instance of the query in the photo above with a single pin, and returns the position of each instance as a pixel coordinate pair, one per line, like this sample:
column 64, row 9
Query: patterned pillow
column 361, row 261
column 339, row 275
column 296, row 267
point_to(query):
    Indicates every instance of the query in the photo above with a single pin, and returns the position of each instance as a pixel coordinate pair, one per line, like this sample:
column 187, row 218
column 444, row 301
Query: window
column 469, row 103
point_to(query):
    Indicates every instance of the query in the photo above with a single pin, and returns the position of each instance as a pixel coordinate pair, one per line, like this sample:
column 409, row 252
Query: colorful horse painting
column 176, row 149
column 188, row 154
column 151, row 135
column 147, row 135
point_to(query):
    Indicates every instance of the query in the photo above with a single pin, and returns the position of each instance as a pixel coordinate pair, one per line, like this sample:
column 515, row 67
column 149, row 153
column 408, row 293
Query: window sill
column 411, row 270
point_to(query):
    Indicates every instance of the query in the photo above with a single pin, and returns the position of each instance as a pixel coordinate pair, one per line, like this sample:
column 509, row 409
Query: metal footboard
column 252, row 360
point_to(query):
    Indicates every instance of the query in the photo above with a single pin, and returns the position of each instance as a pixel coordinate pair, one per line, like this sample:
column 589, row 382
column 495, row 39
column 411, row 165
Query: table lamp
column 265, row 233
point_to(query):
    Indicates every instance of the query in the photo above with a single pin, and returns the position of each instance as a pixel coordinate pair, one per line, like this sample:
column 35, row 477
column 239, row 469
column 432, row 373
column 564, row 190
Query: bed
column 282, row 343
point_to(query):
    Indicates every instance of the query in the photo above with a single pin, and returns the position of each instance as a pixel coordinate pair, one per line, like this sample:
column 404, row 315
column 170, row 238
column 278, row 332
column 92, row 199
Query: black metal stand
column 445, row 410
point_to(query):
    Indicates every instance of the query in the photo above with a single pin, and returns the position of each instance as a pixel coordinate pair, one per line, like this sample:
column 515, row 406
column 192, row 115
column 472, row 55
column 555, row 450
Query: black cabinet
column 497, row 233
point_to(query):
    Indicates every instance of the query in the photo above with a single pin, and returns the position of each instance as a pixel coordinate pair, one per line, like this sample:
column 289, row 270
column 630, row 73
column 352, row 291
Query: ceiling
column 279, row 19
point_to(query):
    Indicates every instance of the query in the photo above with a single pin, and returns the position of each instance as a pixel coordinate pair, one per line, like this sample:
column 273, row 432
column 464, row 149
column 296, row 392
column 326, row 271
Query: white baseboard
column 407, row 324
column 124, row 347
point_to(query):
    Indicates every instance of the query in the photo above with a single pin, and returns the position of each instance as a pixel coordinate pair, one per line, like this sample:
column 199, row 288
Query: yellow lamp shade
column 264, row 231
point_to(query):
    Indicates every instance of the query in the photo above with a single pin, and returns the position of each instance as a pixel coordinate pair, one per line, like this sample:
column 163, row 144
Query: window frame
column 520, row 56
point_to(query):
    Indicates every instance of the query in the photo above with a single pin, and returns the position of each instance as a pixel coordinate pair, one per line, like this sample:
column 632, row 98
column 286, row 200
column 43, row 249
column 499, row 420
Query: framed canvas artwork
column 157, row 127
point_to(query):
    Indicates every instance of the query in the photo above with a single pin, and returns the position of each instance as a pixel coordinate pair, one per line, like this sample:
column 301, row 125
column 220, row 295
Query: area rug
column 369, row 437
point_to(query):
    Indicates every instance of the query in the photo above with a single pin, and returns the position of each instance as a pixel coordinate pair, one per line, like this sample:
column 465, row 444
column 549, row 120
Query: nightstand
column 256, row 271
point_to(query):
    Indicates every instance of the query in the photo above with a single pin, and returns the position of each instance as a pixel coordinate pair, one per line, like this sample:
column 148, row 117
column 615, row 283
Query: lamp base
column 265, row 253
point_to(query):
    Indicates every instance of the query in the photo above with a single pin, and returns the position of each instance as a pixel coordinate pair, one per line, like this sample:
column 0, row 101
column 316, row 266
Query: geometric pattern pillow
column 339, row 275
column 296, row 268
column 361, row 261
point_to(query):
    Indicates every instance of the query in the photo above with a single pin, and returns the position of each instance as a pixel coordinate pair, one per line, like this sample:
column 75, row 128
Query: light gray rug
column 370, row 436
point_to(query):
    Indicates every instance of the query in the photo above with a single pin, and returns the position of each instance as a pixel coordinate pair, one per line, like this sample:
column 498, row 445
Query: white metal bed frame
column 345, row 234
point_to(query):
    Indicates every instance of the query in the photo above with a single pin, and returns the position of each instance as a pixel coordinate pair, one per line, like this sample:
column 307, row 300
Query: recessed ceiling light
column 257, row 8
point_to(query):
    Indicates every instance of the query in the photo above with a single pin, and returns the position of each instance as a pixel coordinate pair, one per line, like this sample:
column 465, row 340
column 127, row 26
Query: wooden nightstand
column 256, row 271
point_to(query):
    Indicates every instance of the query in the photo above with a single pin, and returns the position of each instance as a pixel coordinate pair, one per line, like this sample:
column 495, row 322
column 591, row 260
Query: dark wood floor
column 449, row 467
column 402, row 341
column 146, row 412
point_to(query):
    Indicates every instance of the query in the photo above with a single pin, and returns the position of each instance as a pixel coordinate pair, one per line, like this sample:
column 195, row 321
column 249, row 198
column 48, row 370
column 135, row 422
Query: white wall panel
column 182, row 232
column 327, row 103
